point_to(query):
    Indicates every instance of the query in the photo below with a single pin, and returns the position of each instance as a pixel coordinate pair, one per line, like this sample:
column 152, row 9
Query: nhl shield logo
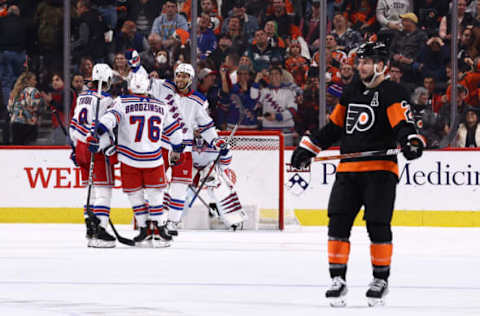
column 298, row 180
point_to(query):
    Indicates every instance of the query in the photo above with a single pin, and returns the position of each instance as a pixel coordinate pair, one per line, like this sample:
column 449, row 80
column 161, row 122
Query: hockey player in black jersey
column 373, row 114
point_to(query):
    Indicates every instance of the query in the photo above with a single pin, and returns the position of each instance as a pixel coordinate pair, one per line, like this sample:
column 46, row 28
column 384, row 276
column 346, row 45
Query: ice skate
column 171, row 228
column 377, row 290
column 141, row 240
column 90, row 235
column 161, row 239
column 336, row 292
column 103, row 239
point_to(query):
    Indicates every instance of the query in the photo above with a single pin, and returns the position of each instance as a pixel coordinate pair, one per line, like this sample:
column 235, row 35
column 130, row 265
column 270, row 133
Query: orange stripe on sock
column 338, row 251
column 381, row 254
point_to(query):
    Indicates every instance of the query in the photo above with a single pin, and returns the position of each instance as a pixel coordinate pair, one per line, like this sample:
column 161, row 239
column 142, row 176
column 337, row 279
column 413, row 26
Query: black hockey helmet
column 375, row 50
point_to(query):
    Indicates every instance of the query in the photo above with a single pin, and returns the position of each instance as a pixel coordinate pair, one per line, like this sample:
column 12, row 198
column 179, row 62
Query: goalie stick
column 93, row 218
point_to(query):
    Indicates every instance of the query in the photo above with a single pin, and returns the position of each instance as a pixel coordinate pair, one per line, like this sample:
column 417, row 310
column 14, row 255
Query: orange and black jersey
column 368, row 119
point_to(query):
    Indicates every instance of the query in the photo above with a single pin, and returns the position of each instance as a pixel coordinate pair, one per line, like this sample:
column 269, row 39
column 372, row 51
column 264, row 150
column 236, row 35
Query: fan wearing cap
column 169, row 21
column 407, row 44
column 372, row 114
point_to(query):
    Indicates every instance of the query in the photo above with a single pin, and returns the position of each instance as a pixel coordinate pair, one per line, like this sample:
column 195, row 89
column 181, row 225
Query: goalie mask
column 133, row 59
column 377, row 52
column 102, row 73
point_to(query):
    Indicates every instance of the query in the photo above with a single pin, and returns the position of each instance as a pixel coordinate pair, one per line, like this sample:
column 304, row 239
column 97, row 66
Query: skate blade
column 90, row 242
column 102, row 244
column 374, row 302
column 161, row 243
column 144, row 244
column 337, row 301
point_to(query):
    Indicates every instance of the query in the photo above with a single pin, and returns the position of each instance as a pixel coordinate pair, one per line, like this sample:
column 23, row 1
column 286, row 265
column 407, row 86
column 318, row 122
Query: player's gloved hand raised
column 93, row 143
column 222, row 145
column 303, row 154
column 413, row 146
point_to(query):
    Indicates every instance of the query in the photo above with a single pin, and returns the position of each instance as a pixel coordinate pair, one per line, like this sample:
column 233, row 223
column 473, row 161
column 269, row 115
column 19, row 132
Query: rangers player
column 189, row 108
column 81, row 124
column 141, row 122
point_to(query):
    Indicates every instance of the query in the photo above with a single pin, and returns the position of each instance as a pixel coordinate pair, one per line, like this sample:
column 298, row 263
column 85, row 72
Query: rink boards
column 440, row 189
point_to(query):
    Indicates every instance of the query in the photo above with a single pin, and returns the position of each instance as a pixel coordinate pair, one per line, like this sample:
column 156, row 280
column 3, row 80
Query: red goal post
column 258, row 162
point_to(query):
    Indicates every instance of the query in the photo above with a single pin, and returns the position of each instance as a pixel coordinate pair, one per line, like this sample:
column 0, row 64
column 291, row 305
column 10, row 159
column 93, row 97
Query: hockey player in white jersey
column 81, row 124
column 141, row 122
column 189, row 108
column 219, row 183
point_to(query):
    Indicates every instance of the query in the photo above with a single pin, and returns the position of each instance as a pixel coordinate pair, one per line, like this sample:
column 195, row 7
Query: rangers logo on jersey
column 360, row 117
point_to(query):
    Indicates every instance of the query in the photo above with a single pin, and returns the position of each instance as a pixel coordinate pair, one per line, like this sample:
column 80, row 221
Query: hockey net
column 257, row 161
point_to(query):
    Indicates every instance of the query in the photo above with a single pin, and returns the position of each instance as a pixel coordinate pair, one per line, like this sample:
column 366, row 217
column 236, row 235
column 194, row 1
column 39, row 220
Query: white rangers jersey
column 278, row 101
column 204, row 154
column 190, row 110
column 83, row 119
column 141, row 122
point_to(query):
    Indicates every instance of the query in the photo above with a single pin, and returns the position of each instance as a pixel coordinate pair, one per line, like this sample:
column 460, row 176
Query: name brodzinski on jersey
column 137, row 107
column 441, row 174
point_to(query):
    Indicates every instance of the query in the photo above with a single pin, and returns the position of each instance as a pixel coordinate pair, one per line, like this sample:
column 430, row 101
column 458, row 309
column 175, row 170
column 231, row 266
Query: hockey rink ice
column 46, row 269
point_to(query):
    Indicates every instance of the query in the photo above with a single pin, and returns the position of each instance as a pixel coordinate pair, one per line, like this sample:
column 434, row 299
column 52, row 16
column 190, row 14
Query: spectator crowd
column 257, row 61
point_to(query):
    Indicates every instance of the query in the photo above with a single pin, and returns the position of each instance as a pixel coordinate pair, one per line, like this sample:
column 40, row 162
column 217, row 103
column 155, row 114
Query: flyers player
column 141, row 122
column 189, row 107
column 373, row 114
column 80, row 126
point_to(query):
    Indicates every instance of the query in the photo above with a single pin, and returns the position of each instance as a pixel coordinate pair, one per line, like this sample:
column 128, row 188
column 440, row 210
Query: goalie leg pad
column 231, row 211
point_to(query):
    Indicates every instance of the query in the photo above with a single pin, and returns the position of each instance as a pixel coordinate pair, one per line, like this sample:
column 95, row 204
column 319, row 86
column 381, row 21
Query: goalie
column 219, row 181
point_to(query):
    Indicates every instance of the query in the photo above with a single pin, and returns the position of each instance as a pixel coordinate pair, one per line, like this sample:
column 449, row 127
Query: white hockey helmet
column 139, row 83
column 186, row 68
column 103, row 73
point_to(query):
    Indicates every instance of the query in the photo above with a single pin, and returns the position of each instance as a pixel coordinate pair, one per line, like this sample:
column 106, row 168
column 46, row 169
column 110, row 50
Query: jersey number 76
column 153, row 126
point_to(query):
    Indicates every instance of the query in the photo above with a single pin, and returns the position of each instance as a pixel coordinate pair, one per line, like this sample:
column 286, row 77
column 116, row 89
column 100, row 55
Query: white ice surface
column 48, row 270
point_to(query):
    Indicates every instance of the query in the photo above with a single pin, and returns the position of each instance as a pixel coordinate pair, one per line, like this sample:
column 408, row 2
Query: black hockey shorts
column 375, row 190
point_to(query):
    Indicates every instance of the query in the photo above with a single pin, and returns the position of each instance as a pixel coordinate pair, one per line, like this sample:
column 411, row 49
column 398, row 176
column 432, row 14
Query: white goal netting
column 258, row 159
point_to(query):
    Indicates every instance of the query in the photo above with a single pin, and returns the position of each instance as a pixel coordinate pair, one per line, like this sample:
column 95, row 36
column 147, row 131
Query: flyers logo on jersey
column 360, row 117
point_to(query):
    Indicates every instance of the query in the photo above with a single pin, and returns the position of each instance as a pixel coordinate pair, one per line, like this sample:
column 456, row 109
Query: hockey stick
column 202, row 200
column 93, row 218
column 200, row 187
column 383, row 152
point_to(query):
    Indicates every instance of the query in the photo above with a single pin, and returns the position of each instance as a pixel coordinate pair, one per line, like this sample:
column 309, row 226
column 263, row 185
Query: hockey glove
column 222, row 145
column 92, row 143
column 175, row 158
column 73, row 158
column 110, row 150
column 303, row 154
column 413, row 146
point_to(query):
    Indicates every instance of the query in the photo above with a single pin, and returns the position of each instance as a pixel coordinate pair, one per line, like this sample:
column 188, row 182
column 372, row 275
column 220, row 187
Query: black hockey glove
column 301, row 158
column 413, row 146
column 303, row 154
